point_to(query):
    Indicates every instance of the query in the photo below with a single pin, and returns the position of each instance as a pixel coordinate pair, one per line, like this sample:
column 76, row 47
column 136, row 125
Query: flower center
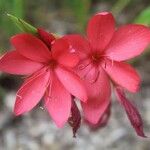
column 52, row 63
column 96, row 58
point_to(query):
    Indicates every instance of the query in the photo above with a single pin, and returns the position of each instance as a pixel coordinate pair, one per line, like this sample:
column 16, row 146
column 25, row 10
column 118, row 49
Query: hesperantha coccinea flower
column 102, row 55
column 47, row 65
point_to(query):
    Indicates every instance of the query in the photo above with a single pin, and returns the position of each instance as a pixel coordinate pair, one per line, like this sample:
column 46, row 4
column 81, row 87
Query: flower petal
column 46, row 37
column 87, row 71
column 31, row 47
column 59, row 47
column 80, row 44
column 128, row 41
column 14, row 63
column 123, row 74
column 64, row 54
column 72, row 83
column 31, row 92
column 103, row 120
column 131, row 111
column 58, row 102
column 68, row 60
column 100, row 30
column 98, row 98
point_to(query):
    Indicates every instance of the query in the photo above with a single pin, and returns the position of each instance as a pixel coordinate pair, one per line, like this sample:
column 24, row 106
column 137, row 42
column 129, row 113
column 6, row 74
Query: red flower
column 48, row 63
column 102, row 55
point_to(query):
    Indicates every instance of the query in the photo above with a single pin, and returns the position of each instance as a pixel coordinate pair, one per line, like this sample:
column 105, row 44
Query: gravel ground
column 35, row 130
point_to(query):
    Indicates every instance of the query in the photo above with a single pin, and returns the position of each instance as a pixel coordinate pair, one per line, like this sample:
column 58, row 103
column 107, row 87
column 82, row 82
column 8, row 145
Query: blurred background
column 35, row 130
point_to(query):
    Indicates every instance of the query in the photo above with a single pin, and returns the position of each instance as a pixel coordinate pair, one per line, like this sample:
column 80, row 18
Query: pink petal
column 59, row 47
column 14, row 63
column 92, row 75
column 131, row 112
column 83, row 67
column 46, row 37
column 31, row 47
column 68, row 60
column 98, row 98
column 58, row 102
column 75, row 118
column 72, row 83
column 100, row 30
column 103, row 120
column 31, row 92
column 64, row 54
column 87, row 71
column 80, row 44
column 124, row 75
column 128, row 41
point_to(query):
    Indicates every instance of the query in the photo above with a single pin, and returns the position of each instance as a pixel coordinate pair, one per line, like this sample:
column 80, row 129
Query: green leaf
column 22, row 25
column 80, row 9
column 10, row 6
column 143, row 17
column 119, row 6
column 18, row 8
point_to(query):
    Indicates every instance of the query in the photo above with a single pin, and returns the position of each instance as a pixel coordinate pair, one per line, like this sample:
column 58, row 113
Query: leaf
column 22, row 25
column 18, row 8
column 143, row 17
column 15, row 6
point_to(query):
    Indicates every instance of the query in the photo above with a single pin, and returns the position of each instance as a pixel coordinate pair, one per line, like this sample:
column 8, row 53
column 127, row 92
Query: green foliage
column 80, row 9
column 119, row 6
column 22, row 25
column 18, row 8
column 143, row 17
column 10, row 6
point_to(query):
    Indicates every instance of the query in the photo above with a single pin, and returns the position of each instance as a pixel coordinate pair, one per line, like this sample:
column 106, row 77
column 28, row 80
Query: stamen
column 49, row 92
column 105, row 59
column 83, row 66
column 20, row 97
column 87, row 72
column 96, row 77
column 30, row 79
column 105, row 63
column 52, row 63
